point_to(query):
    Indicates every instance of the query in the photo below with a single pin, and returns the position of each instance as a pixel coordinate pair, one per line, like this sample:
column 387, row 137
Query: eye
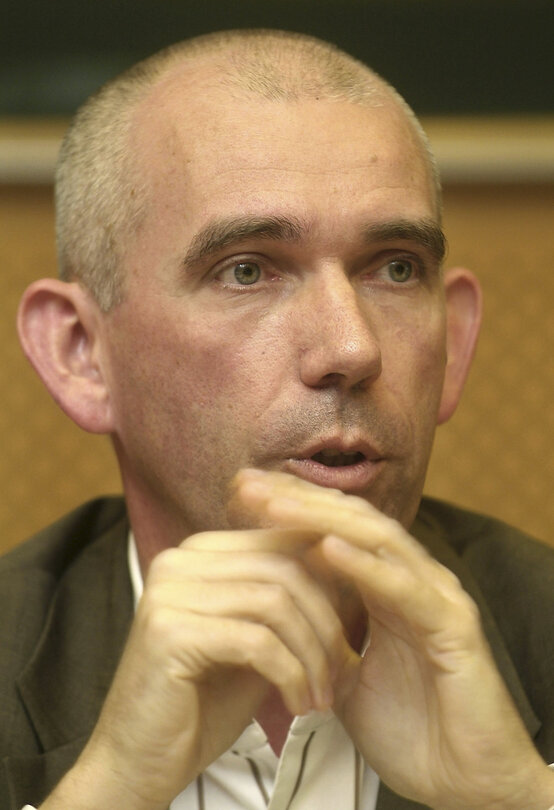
column 400, row 270
column 245, row 273
column 240, row 273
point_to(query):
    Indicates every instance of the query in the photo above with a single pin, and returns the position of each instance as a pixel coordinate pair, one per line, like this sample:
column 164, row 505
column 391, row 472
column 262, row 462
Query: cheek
column 196, row 370
column 235, row 371
column 414, row 361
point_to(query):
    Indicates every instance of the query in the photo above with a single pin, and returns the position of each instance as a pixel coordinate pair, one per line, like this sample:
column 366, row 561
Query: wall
column 444, row 56
column 497, row 453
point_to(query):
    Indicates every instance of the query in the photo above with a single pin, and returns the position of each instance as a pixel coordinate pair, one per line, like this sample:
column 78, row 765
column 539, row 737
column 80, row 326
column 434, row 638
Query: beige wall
column 47, row 464
column 496, row 455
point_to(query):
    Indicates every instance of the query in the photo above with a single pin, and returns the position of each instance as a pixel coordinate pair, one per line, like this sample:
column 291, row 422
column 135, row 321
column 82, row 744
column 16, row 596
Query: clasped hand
column 228, row 615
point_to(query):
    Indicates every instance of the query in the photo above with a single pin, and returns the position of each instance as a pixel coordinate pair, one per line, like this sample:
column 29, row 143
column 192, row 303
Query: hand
column 223, row 617
column 427, row 708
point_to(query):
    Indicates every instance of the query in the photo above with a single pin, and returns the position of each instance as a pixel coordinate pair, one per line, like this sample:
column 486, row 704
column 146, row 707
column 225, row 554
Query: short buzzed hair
column 100, row 198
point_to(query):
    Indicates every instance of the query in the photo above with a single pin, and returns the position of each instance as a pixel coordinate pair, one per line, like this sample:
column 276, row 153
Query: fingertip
column 335, row 544
column 247, row 494
column 298, row 704
column 248, row 474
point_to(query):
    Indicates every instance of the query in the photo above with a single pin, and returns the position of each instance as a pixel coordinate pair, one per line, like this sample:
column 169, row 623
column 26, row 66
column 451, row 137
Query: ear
column 59, row 329
column 463, row 321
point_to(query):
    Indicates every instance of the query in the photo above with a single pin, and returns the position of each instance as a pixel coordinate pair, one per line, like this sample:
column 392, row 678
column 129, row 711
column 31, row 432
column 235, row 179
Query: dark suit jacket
column 66, row 606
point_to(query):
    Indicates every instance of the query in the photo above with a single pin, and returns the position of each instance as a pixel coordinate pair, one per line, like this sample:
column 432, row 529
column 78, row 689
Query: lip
column 352, row 478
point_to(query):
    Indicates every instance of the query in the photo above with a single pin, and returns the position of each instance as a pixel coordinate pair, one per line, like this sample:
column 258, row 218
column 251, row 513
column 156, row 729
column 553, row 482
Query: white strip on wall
column 469, row 150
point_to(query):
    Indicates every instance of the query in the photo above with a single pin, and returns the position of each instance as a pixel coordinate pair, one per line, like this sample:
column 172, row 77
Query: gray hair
column 100, row 198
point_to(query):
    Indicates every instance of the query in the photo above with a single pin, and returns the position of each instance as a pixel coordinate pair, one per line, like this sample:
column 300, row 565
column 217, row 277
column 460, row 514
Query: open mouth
column 335, row 458
column 349, row 467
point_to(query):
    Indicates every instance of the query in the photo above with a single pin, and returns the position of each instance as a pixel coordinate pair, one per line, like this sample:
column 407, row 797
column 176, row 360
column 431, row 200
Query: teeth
column 334, row 458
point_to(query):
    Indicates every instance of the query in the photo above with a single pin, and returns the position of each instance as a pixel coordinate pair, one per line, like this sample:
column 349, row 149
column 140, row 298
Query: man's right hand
column 222, row 618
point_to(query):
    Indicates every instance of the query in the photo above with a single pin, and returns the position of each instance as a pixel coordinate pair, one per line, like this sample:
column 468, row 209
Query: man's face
column 284, row 306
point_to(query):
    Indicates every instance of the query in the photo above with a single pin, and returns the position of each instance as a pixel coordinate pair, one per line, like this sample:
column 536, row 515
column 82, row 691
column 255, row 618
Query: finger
column 284, row 541
column 268, row 605
column 256, row 647
column 289, row 501
column 295, row 502
column 270, row 589
column 220, row 568
column 434, row 603
column 198, row 649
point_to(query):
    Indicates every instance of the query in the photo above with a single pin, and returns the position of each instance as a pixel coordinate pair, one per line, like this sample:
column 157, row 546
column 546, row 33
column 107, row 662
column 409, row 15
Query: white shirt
column 318, row 768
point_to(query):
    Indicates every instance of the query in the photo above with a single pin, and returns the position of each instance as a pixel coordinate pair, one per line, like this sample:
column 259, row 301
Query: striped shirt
column 319, row 767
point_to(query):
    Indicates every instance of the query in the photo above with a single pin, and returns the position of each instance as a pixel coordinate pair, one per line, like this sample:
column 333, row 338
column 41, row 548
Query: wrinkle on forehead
column 175, row 137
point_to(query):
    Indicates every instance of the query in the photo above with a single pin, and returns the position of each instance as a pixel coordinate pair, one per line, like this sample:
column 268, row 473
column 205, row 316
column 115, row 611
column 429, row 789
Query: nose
column 338, row 345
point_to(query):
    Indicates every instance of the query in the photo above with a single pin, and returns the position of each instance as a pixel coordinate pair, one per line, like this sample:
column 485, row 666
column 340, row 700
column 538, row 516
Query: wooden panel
column 47, row 464
column 468, row 149
column 496, row 455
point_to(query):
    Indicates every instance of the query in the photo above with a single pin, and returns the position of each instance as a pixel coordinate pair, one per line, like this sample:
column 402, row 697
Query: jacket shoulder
column 515, row 575
column 496, row 553
column 53, row 548
column 30, row 575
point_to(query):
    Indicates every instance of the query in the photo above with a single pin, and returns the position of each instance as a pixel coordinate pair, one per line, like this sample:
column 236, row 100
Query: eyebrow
column 225, row 232
column 425, row 233
column 222, row 233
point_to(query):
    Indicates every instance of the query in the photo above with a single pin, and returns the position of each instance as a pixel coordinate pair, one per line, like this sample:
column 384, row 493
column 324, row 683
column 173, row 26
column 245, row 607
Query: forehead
column 208, row 151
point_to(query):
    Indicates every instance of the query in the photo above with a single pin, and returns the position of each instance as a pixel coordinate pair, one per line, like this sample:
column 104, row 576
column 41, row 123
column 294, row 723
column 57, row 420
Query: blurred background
column 480, row 75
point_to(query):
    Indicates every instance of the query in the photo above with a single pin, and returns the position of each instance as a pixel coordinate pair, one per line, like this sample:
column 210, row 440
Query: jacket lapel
column 31, row 779
column 64, row 684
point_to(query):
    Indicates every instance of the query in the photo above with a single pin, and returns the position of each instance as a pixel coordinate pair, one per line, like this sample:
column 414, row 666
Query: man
column 252, row 306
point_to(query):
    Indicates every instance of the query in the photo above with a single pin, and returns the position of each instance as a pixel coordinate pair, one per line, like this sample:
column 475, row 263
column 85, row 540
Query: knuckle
column 277, row 599
column 164, row 565
column 283, row 566
column 463, row 601
column 472, row 611
column 156, row 622
column 260, row 642
column 293, row 674
column 465, row 614
column 450, row 577
column 402, row 583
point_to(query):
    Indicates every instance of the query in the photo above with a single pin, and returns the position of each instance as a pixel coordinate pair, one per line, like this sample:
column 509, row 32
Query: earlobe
column 58, row 325
column 463, row 321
